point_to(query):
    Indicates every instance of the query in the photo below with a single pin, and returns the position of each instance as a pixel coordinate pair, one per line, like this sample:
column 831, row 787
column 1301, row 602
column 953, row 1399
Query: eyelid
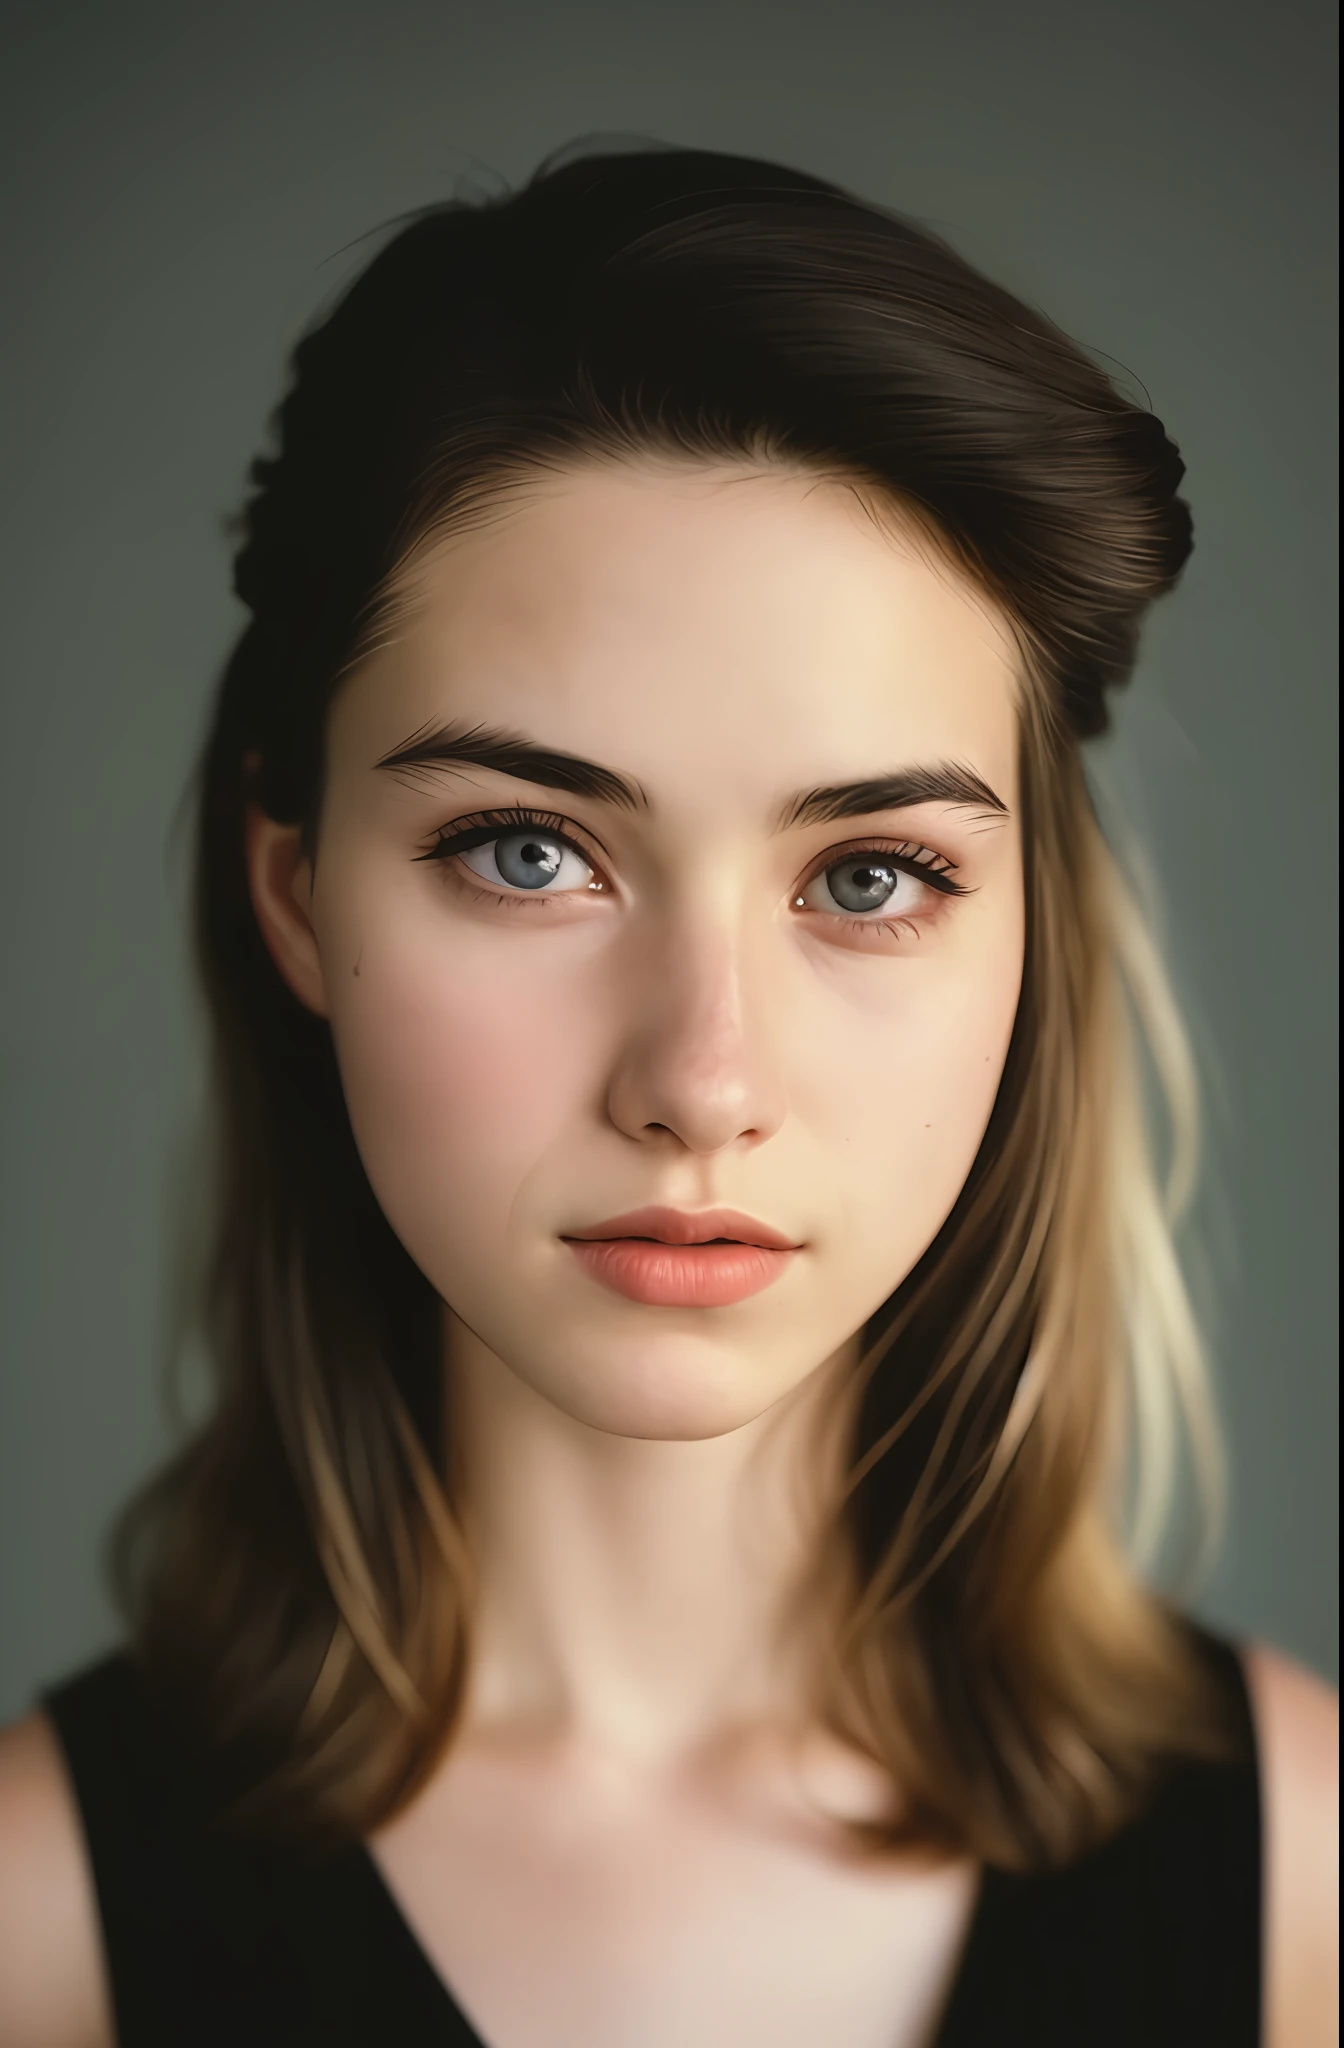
column 902, row 853
column 480, row 827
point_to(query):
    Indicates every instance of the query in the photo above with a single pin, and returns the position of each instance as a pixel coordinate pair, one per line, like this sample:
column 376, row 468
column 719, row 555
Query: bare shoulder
column 53, row 1991
column 1297, row 1729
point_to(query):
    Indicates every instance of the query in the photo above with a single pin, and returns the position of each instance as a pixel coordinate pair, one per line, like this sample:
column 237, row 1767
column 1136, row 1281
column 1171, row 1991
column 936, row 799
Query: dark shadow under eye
column 862, row 884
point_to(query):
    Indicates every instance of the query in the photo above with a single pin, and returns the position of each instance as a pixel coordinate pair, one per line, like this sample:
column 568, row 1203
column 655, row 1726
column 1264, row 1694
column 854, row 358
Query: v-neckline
column 434, row 1993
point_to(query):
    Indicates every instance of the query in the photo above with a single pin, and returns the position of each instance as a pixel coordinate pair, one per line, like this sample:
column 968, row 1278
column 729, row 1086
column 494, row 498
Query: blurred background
column 185, row 187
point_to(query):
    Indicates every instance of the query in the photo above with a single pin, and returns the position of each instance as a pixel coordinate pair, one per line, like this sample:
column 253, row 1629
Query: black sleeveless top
column 1154, row 1941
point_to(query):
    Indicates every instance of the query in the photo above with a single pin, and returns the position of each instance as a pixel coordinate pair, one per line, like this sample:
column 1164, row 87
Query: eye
column 878, row 882
column 517, row 855
column 856, row 885
column 529, row 860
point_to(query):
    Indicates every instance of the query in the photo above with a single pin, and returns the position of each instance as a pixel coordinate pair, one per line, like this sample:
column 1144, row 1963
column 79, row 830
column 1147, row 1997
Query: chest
column 609, row 1920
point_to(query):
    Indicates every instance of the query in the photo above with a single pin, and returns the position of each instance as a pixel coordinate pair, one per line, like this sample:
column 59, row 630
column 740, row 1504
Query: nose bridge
column 699, row 1059
column 702, row 1012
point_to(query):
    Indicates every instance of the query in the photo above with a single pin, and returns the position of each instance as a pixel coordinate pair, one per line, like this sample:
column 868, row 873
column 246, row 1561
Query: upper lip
column 689, row 1226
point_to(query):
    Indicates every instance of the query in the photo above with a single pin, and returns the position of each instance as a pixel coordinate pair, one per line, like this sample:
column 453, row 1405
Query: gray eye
column 862, row 884
column 528, row 859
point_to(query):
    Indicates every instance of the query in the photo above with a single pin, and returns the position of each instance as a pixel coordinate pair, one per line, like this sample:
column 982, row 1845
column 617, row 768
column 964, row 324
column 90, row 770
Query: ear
column 280, row 878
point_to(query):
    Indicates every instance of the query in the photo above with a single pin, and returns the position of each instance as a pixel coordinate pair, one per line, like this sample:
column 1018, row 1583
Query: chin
column 670, row 1391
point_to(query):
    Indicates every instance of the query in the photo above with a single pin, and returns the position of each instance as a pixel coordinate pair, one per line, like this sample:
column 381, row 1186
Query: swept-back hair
column 298, row 1579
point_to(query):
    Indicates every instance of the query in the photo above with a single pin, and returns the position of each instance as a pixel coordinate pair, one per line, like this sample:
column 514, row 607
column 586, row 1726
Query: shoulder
column 1297, row 1735
column 53, row 1991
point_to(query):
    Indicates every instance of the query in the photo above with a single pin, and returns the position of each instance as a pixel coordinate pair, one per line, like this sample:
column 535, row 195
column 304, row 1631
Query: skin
column 641, row 1801
column 519, row 1066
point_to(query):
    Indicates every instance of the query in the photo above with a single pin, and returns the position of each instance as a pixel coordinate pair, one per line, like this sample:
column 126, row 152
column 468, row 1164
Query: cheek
column 458, row 1077
column 910, row 1093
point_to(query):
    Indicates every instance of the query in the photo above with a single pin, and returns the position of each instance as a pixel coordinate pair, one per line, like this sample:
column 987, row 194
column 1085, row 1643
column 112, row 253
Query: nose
column 698, row 1060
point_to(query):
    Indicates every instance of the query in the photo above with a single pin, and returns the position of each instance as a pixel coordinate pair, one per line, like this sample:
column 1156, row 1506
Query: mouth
column 676, row 1258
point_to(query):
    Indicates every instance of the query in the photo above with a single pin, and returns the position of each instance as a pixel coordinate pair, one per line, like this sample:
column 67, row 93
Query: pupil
column 861, row 885
column 527, row 863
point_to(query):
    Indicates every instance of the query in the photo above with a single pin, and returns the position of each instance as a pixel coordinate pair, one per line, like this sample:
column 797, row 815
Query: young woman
column 688, row 1265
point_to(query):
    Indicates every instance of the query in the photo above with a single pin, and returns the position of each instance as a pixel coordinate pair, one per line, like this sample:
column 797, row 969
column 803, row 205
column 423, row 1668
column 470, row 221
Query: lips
column 683, row 1226
column 674, row 1258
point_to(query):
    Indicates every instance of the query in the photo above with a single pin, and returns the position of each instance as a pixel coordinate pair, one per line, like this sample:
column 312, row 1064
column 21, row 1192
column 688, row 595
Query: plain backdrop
column 182, row 190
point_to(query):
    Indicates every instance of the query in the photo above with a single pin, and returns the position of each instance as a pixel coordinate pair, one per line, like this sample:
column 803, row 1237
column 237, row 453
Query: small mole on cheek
column 358, row 957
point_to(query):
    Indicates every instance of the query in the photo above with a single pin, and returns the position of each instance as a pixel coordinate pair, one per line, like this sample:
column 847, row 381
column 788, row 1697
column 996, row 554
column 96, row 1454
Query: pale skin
column 640, row 1803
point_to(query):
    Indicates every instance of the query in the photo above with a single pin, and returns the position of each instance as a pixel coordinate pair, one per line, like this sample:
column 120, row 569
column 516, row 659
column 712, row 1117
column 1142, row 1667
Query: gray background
column 182, row 188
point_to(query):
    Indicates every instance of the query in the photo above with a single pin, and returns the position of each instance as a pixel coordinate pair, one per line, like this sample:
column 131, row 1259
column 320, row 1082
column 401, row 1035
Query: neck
column 643, row 1594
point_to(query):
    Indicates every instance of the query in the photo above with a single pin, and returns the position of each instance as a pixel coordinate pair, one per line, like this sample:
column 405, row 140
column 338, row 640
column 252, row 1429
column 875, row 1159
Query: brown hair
column 297, row 1580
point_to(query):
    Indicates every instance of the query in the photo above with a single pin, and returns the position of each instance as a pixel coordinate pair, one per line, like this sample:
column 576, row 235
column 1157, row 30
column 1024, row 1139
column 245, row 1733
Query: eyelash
column 910, row 855
column 483, row 826
column 479, row 830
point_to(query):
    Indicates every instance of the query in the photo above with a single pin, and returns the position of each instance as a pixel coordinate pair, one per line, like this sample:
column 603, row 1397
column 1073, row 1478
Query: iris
column 861, row 884
column 526, row 861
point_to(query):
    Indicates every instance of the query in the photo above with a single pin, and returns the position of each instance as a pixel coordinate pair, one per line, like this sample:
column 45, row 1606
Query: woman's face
column 711, row 971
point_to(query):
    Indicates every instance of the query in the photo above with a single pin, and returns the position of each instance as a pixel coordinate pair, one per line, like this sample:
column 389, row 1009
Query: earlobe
column 280, row 880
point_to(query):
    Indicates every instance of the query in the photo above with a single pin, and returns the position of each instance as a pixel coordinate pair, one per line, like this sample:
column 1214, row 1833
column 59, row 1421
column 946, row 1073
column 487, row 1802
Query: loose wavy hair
column 298, row 1581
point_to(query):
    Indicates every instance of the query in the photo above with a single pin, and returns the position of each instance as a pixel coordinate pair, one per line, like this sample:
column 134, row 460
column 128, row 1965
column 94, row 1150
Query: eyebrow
column 452, row 744
column 941, row 782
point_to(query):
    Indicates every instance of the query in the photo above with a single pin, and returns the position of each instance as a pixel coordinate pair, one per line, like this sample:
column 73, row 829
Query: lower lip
column 679, row 1275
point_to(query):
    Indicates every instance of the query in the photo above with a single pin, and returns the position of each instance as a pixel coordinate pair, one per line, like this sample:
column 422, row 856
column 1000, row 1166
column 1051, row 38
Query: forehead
column 737, row 626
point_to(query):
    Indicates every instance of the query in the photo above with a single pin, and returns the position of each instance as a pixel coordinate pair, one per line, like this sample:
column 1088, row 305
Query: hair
column 297, row 1579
